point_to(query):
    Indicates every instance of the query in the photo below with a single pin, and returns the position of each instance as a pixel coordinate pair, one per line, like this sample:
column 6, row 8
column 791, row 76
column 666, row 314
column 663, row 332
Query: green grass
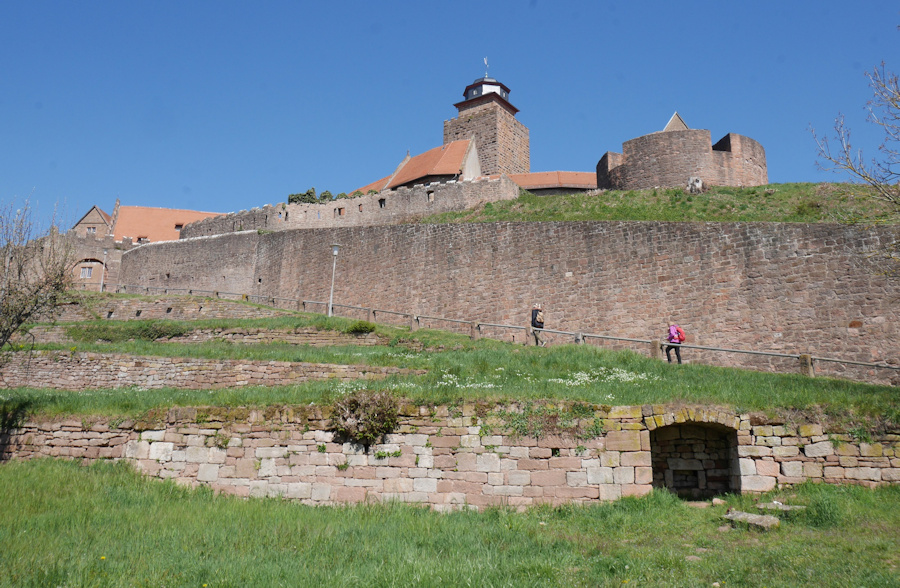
column 490, row 370
column 791, row 203
column 63, row 524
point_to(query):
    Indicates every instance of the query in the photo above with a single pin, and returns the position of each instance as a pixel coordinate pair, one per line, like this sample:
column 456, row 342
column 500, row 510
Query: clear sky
column 226, row 105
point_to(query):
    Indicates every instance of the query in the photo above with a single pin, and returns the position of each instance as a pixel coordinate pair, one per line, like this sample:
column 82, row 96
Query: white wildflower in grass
column 602, row 375
column 348, row 387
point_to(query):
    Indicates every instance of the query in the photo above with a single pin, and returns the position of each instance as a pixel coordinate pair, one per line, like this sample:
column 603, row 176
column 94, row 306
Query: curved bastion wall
column 668, row 159
column 787, row 288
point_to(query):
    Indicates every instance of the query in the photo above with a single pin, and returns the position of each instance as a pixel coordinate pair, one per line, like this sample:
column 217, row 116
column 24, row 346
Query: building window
column 143, row 240
column 178, row 227
column 360, row 207
column 381, row 203
column 86, row 272
column 431, row 195
column 91, row 230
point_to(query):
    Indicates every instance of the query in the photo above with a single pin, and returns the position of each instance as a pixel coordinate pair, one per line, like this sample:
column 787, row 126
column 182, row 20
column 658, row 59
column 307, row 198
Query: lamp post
column 334, row 253
column 103, row 270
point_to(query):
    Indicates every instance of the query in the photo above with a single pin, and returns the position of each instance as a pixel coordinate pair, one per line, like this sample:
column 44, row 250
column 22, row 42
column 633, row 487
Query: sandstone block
column 757, row 483
column 623, row 475
column 623, row 441
column 600, row 475
column 819, row 449
column 643, row 475
column 636, row 458
column 767, row 468
column 609, row 491
column 208, row 472
column 792, row 468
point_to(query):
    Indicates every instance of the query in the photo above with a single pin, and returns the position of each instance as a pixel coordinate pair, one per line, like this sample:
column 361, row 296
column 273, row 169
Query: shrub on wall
column 360, row 328
column 365, row 416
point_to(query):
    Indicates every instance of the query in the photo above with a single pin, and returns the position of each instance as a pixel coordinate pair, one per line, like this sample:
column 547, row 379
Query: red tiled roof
column 154, row 224
column 377, row 185
column 446, row 160
column 555, row 179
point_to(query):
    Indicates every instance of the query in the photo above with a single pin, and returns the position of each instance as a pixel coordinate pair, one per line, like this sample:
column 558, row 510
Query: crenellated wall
column 385, row 208
column 788, row 288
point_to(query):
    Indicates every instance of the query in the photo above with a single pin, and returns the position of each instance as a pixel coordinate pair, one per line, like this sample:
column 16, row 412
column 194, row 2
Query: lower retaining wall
column 81, row 371
column 300, row 336
column 449, row 457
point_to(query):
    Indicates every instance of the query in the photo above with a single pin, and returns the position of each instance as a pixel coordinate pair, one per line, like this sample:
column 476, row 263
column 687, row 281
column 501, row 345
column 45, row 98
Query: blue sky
column 222, row 106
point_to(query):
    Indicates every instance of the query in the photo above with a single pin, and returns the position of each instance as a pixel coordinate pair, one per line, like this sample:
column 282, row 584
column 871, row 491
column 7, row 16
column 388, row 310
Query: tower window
column 382, row 203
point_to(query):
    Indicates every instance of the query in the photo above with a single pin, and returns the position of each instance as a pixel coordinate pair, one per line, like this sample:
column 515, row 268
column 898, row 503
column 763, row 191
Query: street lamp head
column 104, row 252
column 334, row 249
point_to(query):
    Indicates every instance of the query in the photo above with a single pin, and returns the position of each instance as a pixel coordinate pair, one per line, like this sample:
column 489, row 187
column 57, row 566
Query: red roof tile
column 154, row 224
column 446, row 160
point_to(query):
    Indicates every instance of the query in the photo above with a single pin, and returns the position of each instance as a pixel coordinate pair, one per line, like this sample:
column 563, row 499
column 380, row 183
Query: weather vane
column 486, row 67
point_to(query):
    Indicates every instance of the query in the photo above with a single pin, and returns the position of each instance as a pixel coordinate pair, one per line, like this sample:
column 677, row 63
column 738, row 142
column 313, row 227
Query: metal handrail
column 437, row 318
column 478, row 325
column 378, row 310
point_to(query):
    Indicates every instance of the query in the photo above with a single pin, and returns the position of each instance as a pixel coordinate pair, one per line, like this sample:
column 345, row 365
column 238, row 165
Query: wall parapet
column 455, row 457
column 384, row 208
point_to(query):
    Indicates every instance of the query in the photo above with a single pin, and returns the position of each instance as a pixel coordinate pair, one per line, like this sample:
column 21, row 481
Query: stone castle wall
column 460, row 457
column 87, row 251
column 161, row 307
column 668, row 159
column 76, row 370
column 786, row 288
column 299, row 336
column 385, row 208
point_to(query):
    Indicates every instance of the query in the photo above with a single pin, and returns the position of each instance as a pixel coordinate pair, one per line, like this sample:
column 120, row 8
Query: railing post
column 579, row 338
column 413, row 323
column 656, row 349
column 807, row 366
column 474, row 331
column 528, row 334
column 370, row 315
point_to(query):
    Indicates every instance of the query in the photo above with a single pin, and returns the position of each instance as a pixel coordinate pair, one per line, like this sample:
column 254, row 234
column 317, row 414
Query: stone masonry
column 453, row 457
column 300, row 336
column 80, row 370
column 789, row 288
column 385, row 208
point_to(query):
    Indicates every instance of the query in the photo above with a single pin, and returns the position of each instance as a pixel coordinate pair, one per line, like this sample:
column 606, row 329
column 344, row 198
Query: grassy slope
column 66, row 525
column 792, row 203
column 460, row 369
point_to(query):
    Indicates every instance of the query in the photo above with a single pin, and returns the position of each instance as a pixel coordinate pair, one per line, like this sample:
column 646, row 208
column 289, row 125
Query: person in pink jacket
column 676, row 336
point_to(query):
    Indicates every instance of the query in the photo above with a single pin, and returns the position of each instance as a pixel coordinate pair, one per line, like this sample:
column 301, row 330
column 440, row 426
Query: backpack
column 676, row 334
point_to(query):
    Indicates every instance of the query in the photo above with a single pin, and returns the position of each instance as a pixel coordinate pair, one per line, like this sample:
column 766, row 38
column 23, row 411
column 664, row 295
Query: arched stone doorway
column 695, row 460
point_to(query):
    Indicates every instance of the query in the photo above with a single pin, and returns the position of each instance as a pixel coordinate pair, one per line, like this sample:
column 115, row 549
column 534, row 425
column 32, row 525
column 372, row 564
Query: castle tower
column 487, row 117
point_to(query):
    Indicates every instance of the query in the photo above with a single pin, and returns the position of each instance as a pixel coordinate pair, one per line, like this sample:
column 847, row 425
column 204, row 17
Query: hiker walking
column 537, row 324
column 675, row 339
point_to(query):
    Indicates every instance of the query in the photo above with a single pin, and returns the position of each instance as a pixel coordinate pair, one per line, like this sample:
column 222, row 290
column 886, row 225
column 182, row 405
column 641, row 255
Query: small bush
column 365, row 416
column 360, row 328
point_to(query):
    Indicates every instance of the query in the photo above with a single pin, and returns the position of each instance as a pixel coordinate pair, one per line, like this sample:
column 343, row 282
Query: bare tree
column 36, row 270
column 881, row 173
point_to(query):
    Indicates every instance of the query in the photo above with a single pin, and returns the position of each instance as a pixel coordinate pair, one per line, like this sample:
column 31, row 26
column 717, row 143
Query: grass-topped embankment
column 788, row 203
column 103, row 525
column 461, row 369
